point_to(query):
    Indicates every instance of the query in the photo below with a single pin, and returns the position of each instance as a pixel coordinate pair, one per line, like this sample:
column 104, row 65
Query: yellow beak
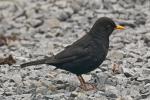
column 119, row 27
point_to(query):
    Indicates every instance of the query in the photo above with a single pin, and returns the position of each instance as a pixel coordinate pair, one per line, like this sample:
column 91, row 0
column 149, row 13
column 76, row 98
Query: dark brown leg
column 84, row 85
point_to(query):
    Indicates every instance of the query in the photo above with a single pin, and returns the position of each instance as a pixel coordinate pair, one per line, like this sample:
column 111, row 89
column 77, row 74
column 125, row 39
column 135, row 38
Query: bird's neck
column 101, row 40
column 98, row 36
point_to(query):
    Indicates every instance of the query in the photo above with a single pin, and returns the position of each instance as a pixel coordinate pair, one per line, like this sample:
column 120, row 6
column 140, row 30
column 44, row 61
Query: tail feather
column 37, row 62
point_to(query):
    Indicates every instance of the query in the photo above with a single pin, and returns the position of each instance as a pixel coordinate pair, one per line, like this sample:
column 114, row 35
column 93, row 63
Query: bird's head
column 104, row 26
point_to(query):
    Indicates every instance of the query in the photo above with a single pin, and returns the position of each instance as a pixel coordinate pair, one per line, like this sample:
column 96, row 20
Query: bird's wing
column 69, row 54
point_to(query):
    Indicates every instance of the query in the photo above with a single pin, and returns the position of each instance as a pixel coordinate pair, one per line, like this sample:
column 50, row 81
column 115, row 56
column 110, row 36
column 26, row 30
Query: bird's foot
column 88, row 87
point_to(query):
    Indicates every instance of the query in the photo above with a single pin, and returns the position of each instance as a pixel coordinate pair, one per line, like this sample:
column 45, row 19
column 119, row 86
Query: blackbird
column 84, row 55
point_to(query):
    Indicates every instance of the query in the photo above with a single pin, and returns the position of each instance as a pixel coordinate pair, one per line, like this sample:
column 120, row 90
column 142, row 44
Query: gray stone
column 111, row 81
column 146, row 71
column 95, row 4
column 53, row 23
column 125, row 98
column 63, row 16
column 1, row 91
column 100, row 79
column 145, row 79
column 111, row 92
column 128, row 72
column 69, row 11
column 56, row 96
column 35, row 22
column 17, row 78
column 75, row 7
column 116, row 55
column 135, row 92
column 61, row 4
column 42, row 90
column 81, row 96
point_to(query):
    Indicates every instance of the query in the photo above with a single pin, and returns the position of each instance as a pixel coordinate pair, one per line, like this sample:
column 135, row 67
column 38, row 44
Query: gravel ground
column 45, row 27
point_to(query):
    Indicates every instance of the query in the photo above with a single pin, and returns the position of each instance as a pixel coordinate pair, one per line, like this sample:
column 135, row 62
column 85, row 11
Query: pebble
column 17, row 78
column 128, row 72
column 146, row 71
column 116, row 55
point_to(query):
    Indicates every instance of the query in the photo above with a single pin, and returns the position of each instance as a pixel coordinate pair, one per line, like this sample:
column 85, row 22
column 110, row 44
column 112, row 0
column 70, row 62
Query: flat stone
column 146, row 71
column 53, row 23
column 128, row 72
column 116, row 55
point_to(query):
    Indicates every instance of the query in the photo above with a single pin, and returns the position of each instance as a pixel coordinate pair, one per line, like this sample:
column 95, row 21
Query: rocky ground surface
column 44, row 27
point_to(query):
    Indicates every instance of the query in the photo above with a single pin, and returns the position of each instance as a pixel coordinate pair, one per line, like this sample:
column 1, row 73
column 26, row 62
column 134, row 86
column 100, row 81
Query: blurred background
column 33, row 29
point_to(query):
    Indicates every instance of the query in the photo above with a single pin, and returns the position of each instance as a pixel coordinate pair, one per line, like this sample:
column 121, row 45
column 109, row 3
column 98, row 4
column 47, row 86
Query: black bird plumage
column 84, row 55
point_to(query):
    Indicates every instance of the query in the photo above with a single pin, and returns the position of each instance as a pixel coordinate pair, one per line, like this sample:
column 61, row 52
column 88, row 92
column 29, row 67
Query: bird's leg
column 82, row 82
column 84, row 85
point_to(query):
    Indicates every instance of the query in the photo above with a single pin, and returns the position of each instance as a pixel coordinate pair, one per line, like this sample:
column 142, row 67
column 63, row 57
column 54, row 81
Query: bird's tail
column 36, row 62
